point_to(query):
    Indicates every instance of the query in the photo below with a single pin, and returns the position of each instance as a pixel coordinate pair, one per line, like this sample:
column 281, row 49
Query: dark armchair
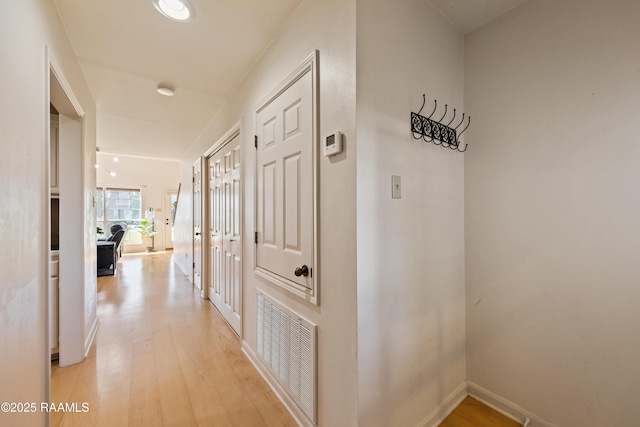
column 109, row 250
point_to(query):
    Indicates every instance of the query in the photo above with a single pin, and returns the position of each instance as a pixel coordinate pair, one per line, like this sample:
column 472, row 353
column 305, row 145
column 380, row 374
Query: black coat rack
column 436, row 131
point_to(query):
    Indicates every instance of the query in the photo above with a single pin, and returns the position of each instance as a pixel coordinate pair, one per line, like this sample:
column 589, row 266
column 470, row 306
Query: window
column 119, row 205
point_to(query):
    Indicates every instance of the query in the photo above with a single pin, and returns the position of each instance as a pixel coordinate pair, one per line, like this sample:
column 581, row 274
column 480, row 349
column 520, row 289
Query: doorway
column 70, row 271
column 170, row 204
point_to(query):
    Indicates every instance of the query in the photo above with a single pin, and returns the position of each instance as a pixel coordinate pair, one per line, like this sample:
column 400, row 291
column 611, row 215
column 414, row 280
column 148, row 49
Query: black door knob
column 302, row 271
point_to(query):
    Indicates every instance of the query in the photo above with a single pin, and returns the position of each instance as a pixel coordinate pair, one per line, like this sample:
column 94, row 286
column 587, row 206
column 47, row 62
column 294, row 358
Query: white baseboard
column 450, row 403
column 91, row 336
column 437, row 416
column 280, row 393
column 509, row 409
column 181, row 267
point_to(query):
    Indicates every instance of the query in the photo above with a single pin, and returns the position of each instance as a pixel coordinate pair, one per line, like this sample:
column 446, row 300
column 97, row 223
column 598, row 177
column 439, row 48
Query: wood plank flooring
column 471, row 413
column 162, row 356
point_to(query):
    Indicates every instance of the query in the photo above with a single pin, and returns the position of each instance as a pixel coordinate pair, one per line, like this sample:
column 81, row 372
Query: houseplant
column 146, row 230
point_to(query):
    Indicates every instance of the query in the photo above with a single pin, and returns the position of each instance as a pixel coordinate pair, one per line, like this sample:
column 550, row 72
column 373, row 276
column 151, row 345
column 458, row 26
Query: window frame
column 131, row 237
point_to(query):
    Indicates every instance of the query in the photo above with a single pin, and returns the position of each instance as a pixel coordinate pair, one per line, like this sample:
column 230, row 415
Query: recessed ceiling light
column 115, row 159
column 112, row 173
column 178, row 10
column 165, row 90
column 97, row 166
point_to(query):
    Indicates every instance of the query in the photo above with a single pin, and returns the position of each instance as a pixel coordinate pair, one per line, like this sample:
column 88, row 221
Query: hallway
column 162, row 356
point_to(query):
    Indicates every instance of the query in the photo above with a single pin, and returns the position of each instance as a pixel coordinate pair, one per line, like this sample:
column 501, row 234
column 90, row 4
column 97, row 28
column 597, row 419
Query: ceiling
column 126, row 49
column 467, row 15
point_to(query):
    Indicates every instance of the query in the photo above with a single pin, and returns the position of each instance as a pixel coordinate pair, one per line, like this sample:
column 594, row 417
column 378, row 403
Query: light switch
column 396, row 187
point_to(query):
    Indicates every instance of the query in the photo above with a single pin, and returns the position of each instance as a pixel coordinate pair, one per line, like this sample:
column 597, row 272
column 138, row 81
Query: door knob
column 302, row 271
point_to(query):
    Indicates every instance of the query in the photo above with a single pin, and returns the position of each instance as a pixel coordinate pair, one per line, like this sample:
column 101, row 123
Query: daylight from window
column 118, row 205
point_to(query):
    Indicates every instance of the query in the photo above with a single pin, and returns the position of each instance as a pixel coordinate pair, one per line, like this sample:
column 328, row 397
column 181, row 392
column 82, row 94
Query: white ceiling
column 467, row 15
column 126, row 49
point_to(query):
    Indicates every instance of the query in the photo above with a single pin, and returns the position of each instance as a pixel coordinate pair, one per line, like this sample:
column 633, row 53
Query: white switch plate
column 396, row 187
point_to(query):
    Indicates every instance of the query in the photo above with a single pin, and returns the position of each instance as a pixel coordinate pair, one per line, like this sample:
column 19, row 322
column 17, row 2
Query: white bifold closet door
column 225, row 244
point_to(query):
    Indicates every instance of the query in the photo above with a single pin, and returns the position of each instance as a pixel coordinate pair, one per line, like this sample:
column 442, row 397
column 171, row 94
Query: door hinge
column 194, row 265
column 255, row 237
column 255, row 141
column 311, row 272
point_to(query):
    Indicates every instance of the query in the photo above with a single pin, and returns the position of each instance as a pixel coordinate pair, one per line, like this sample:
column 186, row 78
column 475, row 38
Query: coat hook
column 445, row 113
column 465, row 128
column 435, row 131
column 424, row 99
column 435, row 107
column 452, row 118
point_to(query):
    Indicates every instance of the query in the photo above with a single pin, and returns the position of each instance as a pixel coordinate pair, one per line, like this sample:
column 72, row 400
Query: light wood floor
column 471, row 413
column 162, row 357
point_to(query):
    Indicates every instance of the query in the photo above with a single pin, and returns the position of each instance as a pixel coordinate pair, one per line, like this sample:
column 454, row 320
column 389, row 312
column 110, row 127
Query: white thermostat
column 333, row 144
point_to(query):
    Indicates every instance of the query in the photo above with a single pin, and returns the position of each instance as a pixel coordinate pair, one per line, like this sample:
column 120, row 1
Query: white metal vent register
column 287, row 346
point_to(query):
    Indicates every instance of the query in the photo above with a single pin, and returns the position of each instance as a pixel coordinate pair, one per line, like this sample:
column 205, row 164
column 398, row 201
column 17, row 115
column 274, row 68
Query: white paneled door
column 285, row 186
column 170, row 205
column 197, row 224
column 225, row 244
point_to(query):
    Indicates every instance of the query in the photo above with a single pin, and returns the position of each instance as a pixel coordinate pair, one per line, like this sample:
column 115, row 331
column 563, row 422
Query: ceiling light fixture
column 115, row 159
column 178, row 10
column 165, row 90
column 112, row 173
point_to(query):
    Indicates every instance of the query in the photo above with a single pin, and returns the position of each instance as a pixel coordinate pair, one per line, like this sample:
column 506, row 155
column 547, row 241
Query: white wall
column 25, row 28
column 552, row 209
column 328, row 26
column 151, row 176
column 411, row 338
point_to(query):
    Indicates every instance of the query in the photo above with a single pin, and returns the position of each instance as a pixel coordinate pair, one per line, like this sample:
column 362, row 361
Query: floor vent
column 287, row 346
